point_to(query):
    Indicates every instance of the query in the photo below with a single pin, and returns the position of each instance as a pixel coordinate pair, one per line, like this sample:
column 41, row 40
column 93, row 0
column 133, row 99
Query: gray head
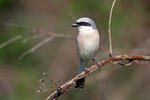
column 84, row 21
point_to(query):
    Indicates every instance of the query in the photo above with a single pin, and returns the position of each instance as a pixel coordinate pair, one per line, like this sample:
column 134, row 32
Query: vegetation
column 25, row 18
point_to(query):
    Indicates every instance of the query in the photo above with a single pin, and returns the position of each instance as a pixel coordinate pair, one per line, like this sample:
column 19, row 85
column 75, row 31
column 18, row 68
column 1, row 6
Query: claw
column 98, row 65
column 86, row 70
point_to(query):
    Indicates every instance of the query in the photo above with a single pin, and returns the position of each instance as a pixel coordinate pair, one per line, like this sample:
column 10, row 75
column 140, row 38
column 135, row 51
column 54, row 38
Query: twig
column 32, row 37
column 10, row 41
column 52, row 80
column 39, row 31
column 126, row 64
column 68, row 84
column 61, row 35
column 17, row 25
column 36, row 47
column 109, row 28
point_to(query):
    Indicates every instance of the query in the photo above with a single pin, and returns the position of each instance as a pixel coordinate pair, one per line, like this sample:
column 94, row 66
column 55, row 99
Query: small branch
column 36, row 47
column 52, row 80
column 109, row 28
column 122, row 64
column 32, row 38
column 9, row 41
column 68, row 84
column 61, row 35
column 16, row 25
column 42, row 33
column 38, row 31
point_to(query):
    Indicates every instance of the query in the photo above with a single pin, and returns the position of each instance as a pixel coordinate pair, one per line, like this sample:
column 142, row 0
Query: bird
column 87, row 44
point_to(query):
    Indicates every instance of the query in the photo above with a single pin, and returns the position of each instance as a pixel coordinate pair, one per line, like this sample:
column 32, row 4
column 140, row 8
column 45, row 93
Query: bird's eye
column 83, row 24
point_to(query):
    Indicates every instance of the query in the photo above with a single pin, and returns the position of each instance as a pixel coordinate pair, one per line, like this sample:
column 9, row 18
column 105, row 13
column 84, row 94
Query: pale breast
column 87, row 44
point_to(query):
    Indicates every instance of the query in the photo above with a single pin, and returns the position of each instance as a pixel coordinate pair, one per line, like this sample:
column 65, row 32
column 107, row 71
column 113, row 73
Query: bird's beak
column 75, row 25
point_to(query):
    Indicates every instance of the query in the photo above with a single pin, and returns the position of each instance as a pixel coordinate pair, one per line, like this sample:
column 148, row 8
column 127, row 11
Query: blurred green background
column 130, row 35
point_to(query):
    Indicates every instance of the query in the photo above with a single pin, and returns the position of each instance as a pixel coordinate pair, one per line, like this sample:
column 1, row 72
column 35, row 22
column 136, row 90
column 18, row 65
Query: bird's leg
column 98, row 65
column 86, row 70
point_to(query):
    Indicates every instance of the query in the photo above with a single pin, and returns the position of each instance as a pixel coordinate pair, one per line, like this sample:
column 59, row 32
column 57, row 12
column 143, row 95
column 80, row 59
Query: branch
column 36, row 47
column 52, row 80
column 10, row 41
column 43, row 33
column 32, row 38
column 17, row 25
column 91, row 69
column 61, row 35
column 109, row 28
column 38, row 31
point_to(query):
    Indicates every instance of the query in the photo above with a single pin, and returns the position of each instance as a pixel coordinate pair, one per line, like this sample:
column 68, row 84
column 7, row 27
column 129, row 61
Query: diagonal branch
column 36, row 47
column 33, row 37
column 91, row 69
column 10, row 41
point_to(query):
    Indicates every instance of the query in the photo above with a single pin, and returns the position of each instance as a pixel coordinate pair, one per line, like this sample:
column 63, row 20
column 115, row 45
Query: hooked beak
column 75, row 25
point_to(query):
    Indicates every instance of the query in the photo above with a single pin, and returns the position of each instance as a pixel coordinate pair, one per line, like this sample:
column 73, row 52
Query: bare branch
column 61, row 35
column 52, row 80
column 109, row 28
column 36, row 47
column 16, row 25
column 91, row 69
column 39, row 31
column 42, row 32
column 32, row 37
column 126, row 64
column 9, row 41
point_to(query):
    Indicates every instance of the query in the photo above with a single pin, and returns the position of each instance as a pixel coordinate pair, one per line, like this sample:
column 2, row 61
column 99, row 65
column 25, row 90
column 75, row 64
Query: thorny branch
column 91, row 69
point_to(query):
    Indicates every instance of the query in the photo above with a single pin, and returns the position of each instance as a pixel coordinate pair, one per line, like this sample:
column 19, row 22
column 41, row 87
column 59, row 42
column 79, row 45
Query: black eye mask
column 83, row 24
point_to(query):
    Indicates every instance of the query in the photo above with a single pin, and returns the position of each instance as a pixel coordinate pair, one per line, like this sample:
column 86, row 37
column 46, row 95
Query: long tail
column 80, row 83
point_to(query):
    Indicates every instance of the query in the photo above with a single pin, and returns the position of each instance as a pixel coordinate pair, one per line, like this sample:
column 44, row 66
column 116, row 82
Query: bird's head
column 84, row 23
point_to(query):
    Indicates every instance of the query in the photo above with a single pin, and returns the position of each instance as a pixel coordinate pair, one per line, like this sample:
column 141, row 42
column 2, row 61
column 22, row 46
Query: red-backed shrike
column 87, row 44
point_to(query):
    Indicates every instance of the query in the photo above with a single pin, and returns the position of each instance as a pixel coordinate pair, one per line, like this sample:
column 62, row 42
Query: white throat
column 85, row 29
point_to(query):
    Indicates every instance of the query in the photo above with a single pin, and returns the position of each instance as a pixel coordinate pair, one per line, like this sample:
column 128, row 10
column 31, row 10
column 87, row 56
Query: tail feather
column 80, row 83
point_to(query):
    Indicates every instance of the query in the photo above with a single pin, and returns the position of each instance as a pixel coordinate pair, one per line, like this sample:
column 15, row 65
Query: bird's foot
column 110, row 55
column 86, row 70
column 98, row 65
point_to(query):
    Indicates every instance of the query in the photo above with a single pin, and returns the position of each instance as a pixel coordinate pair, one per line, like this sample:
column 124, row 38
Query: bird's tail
column 80, row 82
